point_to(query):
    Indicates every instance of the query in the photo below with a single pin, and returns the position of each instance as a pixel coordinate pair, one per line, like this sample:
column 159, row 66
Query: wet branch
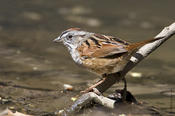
column 142, row 53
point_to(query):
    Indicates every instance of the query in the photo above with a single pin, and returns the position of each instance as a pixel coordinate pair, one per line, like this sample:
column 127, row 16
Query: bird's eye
column 70, row 36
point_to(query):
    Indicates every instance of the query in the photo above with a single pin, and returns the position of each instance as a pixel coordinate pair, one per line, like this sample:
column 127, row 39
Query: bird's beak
column 58, row 39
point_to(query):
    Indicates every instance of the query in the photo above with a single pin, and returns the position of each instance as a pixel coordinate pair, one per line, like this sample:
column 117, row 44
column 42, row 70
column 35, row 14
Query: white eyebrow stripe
column 63, row 33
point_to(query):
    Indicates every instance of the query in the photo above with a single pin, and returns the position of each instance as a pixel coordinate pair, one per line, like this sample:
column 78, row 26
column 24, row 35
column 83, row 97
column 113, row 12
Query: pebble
column 11, row 107
column 60, row 111
column 68, row 87
column 136, row 74
column 73, row 99
column 35, row 68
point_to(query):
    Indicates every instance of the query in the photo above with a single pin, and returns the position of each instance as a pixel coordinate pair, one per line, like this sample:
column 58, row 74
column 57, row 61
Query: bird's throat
column 74, row 53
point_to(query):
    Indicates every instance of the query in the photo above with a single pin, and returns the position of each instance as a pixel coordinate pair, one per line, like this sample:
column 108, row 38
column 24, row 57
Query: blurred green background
column 30, row 58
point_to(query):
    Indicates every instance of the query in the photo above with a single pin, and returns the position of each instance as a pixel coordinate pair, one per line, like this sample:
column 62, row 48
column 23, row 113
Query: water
column 30, row 59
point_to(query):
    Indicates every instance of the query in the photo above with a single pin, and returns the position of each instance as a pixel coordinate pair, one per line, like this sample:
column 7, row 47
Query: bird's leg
column 93, row 86
column 124, row 89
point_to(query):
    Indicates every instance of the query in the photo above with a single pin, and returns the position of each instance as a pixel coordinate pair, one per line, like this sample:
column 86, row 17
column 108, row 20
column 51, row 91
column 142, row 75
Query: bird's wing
column 102, row 46
column 108, row 50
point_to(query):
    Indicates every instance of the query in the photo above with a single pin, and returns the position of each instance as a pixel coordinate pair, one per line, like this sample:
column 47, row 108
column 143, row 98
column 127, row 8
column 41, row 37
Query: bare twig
column 91, row 96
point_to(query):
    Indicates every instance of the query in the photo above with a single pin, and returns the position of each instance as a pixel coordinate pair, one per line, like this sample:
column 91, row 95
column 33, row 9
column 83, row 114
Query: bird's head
column 72, row 37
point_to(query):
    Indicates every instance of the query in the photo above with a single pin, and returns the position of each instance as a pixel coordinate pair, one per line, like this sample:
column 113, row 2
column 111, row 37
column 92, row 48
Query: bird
column 99, row 53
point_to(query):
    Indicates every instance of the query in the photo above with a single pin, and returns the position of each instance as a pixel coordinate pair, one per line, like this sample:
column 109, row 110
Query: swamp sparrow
column 99, row 53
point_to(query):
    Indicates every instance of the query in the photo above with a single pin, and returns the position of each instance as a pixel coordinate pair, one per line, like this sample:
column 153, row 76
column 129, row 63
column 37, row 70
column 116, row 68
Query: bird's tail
column 134, row 46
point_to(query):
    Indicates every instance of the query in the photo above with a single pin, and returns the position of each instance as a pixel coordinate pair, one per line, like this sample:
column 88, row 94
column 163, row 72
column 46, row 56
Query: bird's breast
column 104, row 65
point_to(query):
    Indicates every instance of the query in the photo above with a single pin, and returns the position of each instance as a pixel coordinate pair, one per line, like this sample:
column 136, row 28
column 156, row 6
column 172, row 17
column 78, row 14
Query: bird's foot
column 93, row 87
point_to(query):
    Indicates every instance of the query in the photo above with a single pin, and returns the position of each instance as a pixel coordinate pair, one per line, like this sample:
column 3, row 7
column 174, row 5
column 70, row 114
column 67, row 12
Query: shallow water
column 30, row 59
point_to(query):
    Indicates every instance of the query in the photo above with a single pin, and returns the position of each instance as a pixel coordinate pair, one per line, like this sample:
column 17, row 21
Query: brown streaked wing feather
column 104, row 51
column 118, row 40
column 108, row 50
